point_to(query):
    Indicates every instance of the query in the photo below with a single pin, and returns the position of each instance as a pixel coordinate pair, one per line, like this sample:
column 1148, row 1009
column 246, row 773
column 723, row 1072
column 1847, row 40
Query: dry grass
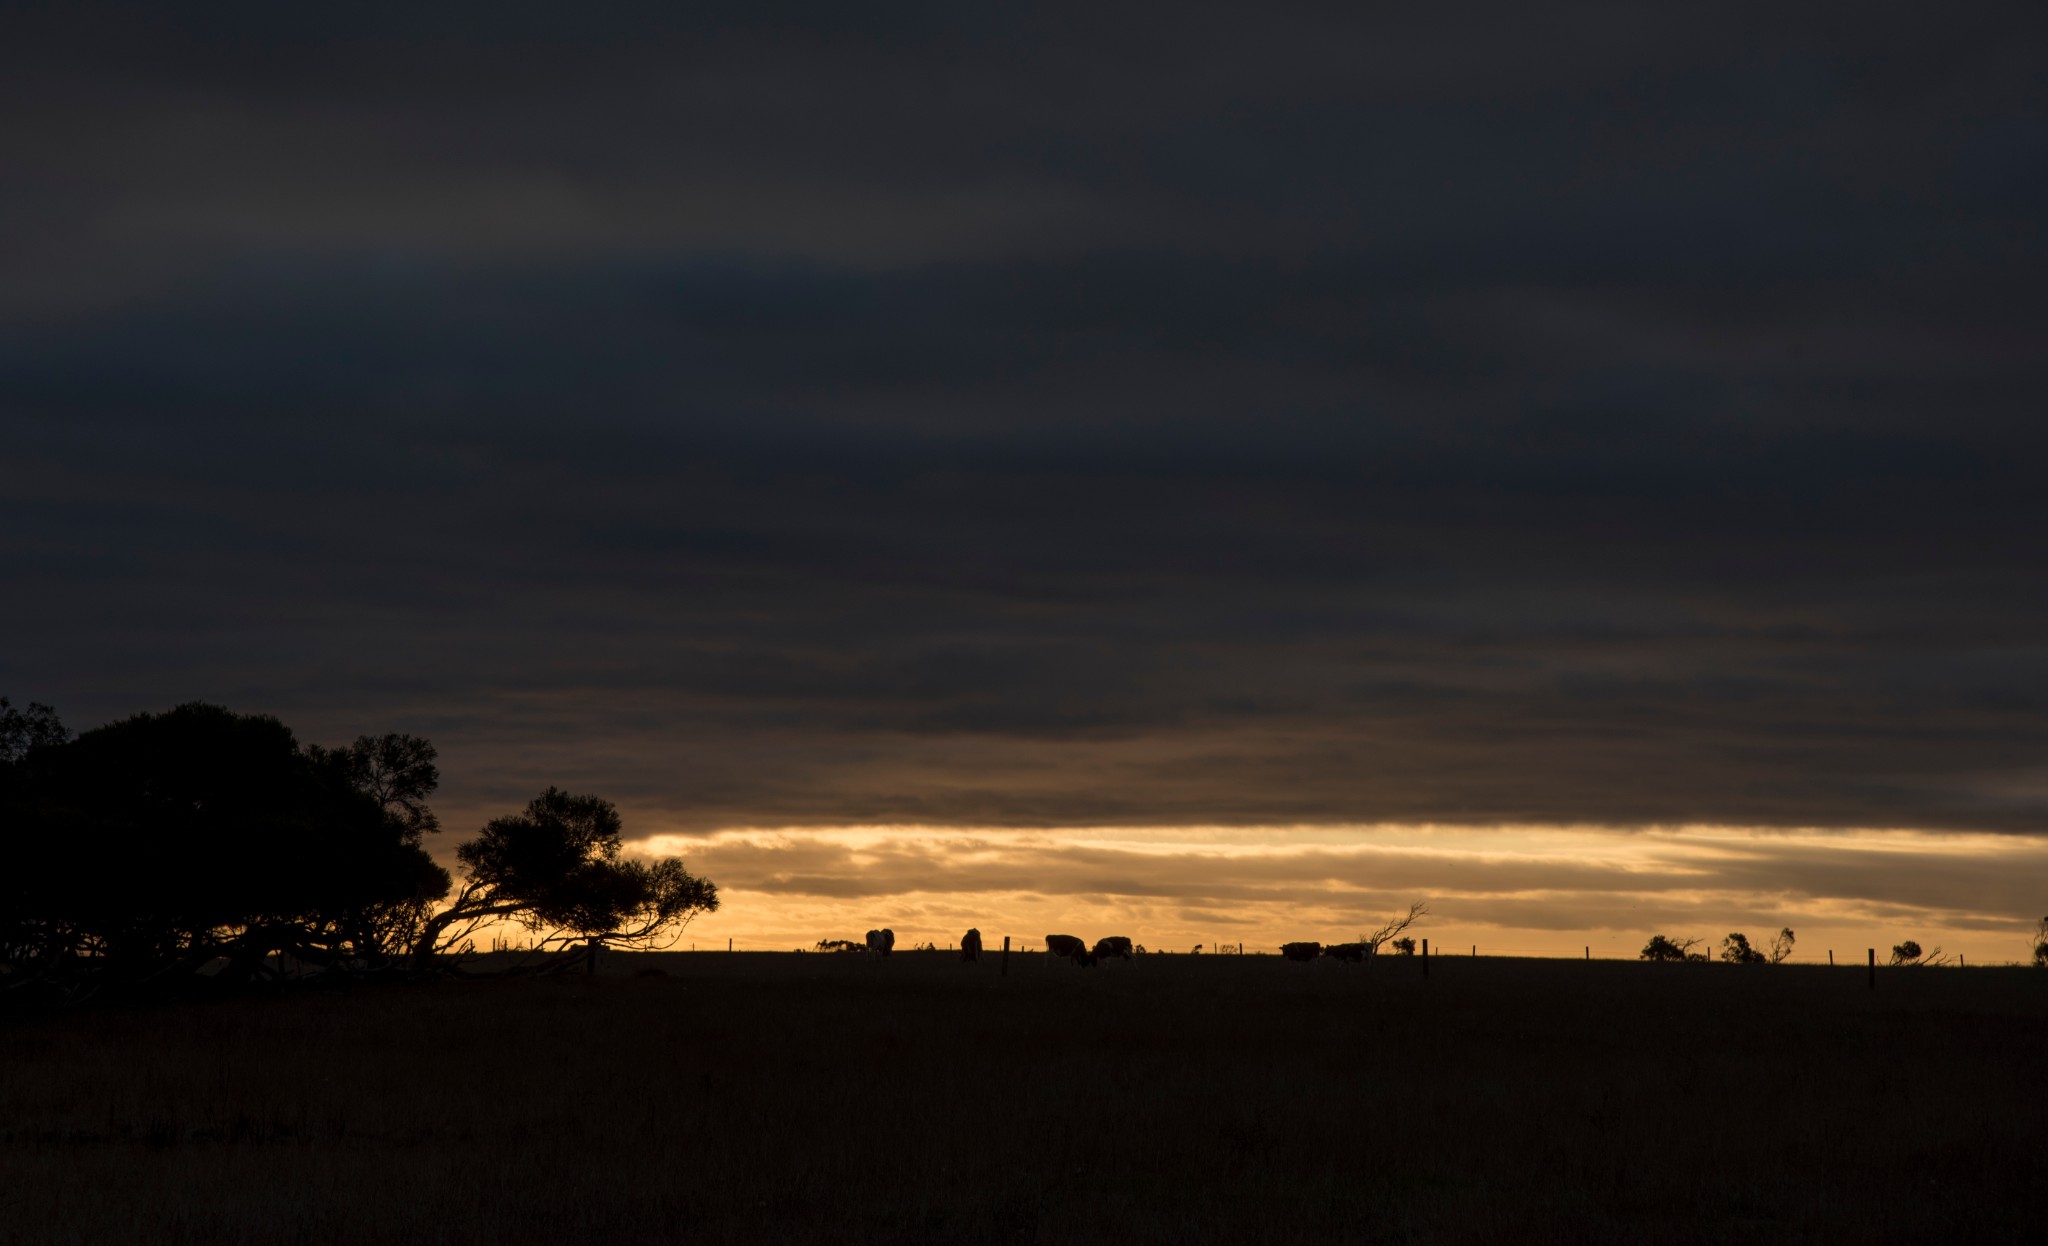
column 760, row 1097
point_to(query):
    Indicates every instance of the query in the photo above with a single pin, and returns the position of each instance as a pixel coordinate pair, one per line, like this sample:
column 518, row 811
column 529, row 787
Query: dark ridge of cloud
column 805, row 415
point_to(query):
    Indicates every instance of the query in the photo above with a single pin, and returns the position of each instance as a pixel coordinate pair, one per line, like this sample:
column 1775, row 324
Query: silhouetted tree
column 2041, row 944
column 1404, row 945
column 556, row 869
column 1394, row 926
column 163, row 843
column 22, row 730
column 1664, row 948
column 1735, row 950
column 398, row 773
column 1910, row 954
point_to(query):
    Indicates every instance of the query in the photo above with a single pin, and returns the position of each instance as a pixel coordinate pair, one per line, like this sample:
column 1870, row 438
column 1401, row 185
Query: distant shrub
column 1735, row 950
column 1665, row 948
column 1910, row 953
column 1403, row 945
column 2041, row 944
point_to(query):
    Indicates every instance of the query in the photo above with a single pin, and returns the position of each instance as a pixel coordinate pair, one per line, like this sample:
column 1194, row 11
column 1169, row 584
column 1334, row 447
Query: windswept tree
column 1780, row 950
column 164, row 846
column 1909, row 954
column 557, row 869
column 1664, row 948
column 1394, row 926
column 2041, row 944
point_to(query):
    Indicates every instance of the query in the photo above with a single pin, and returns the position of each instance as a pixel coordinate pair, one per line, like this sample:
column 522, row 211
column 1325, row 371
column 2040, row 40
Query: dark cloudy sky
column 1094, row 415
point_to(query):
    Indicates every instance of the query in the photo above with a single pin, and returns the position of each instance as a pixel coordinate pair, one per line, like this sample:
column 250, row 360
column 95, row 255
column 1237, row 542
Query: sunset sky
column 1185, row 471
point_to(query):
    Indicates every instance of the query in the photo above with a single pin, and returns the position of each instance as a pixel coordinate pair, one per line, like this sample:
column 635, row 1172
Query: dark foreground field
column 777, row 1098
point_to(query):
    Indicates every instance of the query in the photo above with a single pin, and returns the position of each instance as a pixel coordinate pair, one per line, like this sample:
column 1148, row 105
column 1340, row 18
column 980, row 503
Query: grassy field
column 786, row 1098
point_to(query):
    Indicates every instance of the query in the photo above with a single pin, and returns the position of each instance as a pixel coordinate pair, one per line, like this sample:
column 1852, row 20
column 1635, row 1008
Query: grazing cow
column 1115, row 946
column 970, row 945
column 1067, row 947
column 1348, row 951
column 881, row 942
column 1301, row 951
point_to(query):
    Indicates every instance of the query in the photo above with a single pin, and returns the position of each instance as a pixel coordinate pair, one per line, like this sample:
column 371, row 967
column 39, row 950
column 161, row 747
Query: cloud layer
column 1511, row 891
column 805, row 417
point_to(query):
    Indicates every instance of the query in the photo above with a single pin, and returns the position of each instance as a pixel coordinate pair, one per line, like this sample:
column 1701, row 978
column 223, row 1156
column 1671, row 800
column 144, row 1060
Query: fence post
column 1425, row 958
column 1589, row 951
column 1006, row 956
column 1873, row 969
column 1960, row 962
column 1831, row 958
column 728, row 944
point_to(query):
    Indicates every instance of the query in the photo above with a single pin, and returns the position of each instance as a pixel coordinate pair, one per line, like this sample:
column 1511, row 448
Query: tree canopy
column 21, row 730
column 556, row 868
column 205, row 842
column 170, row 840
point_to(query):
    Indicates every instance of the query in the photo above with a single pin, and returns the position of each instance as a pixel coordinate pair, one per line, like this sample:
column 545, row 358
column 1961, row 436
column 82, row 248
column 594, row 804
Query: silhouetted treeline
column 201, row 843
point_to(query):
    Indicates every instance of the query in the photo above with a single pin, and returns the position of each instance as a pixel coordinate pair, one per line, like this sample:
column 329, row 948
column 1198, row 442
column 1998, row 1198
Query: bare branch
column 1416, row 912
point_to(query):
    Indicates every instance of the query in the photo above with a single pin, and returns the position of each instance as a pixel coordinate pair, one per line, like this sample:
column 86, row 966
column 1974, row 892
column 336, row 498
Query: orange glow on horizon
column 1515, row 890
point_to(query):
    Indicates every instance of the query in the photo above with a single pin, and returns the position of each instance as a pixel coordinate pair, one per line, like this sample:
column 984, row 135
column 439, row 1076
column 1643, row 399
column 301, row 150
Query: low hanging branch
column 556, row 870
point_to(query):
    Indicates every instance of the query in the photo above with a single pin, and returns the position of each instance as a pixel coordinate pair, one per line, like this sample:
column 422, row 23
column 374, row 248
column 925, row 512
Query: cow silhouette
column 1067, row 947
column 1306, row 951
column 881, row 942
column 970, row 945
column 1112, row 947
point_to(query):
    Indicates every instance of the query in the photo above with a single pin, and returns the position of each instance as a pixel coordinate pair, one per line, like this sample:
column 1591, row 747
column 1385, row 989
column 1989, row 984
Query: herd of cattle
column 1064, row 947
column 1336, row 951
column 1067, row 947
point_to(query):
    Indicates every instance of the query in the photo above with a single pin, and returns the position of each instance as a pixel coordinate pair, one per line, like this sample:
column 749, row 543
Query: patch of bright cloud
column 1527, row 890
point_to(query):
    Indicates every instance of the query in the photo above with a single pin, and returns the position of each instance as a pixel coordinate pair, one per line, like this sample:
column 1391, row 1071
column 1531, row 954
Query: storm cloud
column 778, row 416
